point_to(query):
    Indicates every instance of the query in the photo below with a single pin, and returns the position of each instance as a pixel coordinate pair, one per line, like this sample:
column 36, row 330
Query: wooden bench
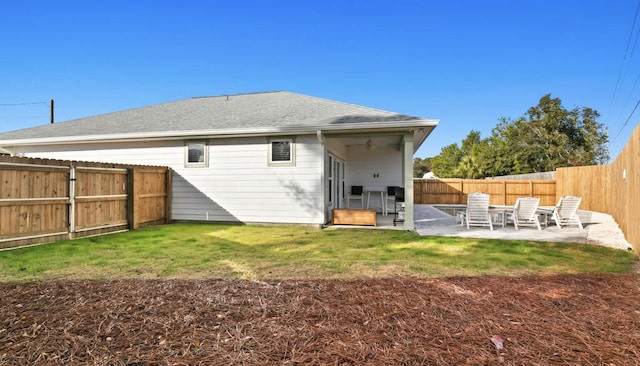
column 349, row 216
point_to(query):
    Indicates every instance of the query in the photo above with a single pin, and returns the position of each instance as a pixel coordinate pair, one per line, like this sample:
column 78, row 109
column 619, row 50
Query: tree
column 446, row 163
column 459, row 162
column 420, row 167
column 468, row 167
column 549, row 136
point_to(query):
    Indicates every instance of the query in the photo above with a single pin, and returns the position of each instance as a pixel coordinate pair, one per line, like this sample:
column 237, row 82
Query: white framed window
column 282, row 151
column 196, row 154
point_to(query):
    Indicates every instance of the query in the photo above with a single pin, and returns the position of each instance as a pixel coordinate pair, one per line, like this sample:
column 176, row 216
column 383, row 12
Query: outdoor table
column 460, row 215
column 544, row 214
column 383, row 200
column 499, row 214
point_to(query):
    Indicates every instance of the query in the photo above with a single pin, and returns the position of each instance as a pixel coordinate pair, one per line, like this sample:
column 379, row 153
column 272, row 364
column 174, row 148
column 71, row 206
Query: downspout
column 320, row 137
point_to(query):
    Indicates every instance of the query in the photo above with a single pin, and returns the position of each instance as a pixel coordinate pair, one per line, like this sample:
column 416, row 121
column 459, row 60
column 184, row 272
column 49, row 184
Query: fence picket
column 502, row 192
column 45, row 200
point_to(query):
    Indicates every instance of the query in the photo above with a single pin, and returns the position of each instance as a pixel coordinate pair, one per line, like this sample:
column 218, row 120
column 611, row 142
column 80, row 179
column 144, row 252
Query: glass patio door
column 335, row 186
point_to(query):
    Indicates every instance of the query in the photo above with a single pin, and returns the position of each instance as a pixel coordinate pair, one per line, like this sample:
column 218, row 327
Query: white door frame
column 335, row 183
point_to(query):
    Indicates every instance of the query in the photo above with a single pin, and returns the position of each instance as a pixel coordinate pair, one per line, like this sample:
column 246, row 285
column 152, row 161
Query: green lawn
column 296, row 252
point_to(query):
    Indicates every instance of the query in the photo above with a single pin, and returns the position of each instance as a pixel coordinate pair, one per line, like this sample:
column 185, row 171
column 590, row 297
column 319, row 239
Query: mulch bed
column 564, row 319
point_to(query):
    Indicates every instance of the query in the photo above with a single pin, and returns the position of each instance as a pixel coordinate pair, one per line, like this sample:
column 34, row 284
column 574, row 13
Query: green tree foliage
column 446, row 164
column 420, row 167
column 469, row 165
column 549, row 136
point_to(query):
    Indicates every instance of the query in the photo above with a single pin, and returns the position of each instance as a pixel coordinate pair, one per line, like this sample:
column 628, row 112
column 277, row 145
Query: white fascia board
column 224, row 133
column 143, row 136
column 420, row 137
column 365, row 127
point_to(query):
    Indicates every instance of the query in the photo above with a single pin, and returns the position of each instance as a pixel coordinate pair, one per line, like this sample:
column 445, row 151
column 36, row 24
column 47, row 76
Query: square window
column 196, row 154
column 281, row 152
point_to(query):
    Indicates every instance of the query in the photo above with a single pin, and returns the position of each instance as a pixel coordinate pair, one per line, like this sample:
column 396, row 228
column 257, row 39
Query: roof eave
column 427, row 124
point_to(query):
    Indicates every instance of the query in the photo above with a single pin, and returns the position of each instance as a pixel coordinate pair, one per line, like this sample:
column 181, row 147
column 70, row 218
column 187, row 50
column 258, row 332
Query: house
column 274, row 157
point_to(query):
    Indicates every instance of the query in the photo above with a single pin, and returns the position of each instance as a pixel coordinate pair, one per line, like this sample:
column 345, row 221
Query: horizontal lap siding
column 243, row 187
column 141, row 153
column 238, row 185
column 384, row 161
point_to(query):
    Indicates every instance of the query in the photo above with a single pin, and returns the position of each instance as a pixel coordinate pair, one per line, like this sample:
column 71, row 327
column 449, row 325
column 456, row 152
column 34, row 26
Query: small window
column 281, row 152
column 196, row 154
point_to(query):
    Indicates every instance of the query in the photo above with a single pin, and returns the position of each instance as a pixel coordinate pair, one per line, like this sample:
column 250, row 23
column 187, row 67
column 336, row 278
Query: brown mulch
column 563, row 319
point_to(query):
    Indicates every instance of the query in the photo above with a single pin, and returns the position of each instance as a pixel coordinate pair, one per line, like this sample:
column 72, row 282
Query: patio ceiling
column 379, row 137
column 376, row 140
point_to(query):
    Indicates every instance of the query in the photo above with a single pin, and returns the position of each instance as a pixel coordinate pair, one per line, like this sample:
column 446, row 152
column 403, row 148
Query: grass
column 294, row 252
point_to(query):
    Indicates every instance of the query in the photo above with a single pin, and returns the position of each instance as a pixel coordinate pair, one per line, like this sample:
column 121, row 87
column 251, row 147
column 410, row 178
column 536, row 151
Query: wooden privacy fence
column 613, row 188
column 624, row 190
column 44, row 200
column 589, row 182
column 502, row 192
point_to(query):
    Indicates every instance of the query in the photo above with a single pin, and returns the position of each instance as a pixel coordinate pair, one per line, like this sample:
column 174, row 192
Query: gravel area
column 604, row 230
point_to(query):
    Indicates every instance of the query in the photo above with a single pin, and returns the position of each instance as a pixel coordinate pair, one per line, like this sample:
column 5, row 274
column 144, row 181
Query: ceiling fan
column 369, row 144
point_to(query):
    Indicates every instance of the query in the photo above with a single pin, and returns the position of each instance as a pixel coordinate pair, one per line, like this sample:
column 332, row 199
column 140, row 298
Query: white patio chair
column 355, row 194
column 566, row 212
column 525, row 213
column 477, row 213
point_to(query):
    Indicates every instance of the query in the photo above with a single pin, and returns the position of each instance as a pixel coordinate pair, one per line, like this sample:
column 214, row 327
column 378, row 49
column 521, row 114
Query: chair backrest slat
column 526, row 207
column 356, row 190
column 477, row 206
column 567, row 206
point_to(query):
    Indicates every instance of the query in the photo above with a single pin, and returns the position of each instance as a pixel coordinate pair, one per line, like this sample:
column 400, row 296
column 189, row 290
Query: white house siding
column 238, row 185
column 385, row 161
column 362, row 164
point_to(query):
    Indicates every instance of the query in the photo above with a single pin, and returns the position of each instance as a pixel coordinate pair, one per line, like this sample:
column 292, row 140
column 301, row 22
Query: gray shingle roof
column 233, row 112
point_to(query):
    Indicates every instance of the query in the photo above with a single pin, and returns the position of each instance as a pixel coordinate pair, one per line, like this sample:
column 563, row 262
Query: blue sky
column 467, row 63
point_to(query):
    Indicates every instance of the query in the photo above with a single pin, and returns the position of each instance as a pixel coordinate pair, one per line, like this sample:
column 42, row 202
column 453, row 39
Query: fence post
column 504, row 192
column 531, row 188
column 132, row 217
column 72, row 201
column 167, row 203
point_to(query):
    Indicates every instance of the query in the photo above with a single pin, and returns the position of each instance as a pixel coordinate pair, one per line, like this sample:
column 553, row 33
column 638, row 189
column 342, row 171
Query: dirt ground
column 547, row 320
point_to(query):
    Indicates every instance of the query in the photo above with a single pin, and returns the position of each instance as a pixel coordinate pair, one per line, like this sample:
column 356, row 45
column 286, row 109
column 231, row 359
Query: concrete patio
column 599, row 228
